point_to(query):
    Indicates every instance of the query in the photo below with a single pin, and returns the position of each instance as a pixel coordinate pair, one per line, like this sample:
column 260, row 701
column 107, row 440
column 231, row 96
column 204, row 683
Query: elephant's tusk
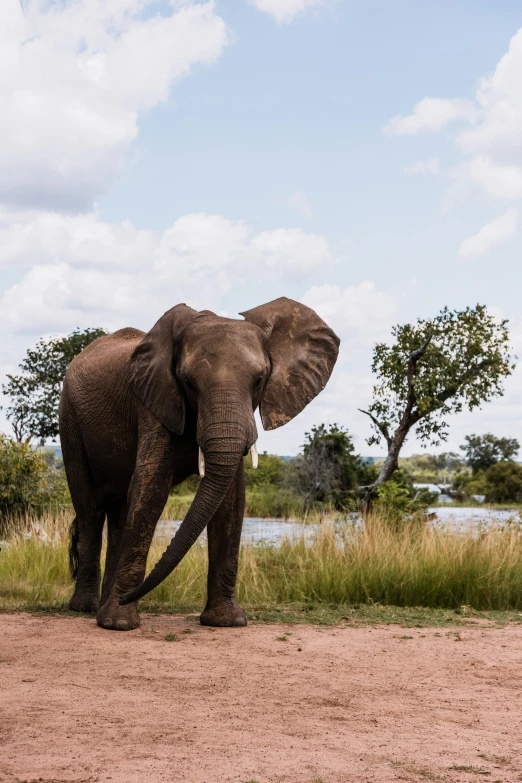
column 253, row 454
column 201, row 464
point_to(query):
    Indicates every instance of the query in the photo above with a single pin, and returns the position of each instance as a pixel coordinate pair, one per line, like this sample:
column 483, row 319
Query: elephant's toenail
column 240, row 621
column 107, row 623
column 122, row 625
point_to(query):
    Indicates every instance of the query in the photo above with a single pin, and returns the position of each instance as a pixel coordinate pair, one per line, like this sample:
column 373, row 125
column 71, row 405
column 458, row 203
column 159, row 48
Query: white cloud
column 495, row 233
column 489, row 139
column 74, row 77
column 300, row 203
column 358, row 314
column 431, row 166
column 285, row 10
column 291, row 248
column 494, row 140
column 500, row 100
column 500, row 180
column 432, row 115
column 83, row 271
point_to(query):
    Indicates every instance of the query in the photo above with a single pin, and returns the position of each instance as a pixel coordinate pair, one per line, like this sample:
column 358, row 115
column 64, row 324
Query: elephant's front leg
column 224, row 536
column 148, row 493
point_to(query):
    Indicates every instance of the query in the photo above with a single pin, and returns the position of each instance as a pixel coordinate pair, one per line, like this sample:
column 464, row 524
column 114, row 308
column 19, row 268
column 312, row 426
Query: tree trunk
column 390, row 464
column 395, row 442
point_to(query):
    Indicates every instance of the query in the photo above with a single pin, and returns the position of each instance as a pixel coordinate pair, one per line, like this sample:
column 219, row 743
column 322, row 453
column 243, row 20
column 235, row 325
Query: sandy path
column 329, row 704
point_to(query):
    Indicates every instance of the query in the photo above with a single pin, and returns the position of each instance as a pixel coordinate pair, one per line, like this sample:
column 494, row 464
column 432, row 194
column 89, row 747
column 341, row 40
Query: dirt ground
column 303, row 704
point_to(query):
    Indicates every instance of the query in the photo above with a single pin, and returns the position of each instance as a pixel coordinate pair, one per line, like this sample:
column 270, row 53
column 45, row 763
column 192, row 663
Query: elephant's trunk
column 223, row 442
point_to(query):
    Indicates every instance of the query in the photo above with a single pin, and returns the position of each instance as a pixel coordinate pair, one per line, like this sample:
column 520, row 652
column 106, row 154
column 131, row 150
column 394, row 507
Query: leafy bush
column 187, row 487
column 399, row 502
column 27, row 483
column 271, row 470
column 500, row 483
column 503, row 483
column 328, row 471
column 268, row 500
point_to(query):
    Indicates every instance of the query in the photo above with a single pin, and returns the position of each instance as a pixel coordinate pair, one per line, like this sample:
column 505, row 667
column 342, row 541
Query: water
column 273, row 531
column 462, row 518
column 255, row 530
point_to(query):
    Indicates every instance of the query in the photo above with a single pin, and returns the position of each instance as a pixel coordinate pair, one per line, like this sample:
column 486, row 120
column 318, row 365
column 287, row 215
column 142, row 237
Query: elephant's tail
column 74, row 557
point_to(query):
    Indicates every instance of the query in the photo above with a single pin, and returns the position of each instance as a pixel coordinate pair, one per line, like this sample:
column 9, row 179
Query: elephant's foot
column 118, row 618
column 84, row 602
column 225, row 615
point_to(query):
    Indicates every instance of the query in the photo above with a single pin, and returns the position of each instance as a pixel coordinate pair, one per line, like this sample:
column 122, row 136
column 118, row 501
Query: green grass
column 264, row 501
column 418, row 576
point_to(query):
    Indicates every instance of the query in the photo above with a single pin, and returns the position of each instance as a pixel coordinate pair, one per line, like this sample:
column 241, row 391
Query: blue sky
column 223, row 155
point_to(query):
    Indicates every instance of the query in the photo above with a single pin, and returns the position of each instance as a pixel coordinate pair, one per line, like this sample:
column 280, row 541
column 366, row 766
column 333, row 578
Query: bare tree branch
column 381, row 427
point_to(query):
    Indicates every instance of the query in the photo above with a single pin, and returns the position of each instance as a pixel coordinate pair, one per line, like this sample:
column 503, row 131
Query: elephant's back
column 104, row 364
column 114, row 348
column 97, row 393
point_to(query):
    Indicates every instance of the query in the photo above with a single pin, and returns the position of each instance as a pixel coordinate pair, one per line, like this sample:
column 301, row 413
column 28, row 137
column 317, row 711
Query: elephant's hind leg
column 87, row 528
column 86, row 596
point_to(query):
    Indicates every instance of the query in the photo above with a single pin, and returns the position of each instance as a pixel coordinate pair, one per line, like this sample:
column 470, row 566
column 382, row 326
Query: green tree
column 35, row 393
column 431, row 468
column 483, row 451
column 27, row 482
column 328, row 470
column 270, row 471
column 503, row 482
column 448, row 462
column 434, row 368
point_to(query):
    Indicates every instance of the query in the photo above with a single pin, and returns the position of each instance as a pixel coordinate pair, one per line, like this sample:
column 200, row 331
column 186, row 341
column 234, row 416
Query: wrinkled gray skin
column 134, row 409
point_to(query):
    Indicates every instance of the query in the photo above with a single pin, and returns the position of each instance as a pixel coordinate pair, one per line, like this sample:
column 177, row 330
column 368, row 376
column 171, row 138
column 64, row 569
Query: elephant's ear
column 153, row 379
column 303, row 351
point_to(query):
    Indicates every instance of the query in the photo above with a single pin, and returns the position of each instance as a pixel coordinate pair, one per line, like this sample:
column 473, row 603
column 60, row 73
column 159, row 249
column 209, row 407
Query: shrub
column 267, row 500
column 399, row 502
column 503, row 483
column 27, row 482
column 270, row 471
column 329, row 472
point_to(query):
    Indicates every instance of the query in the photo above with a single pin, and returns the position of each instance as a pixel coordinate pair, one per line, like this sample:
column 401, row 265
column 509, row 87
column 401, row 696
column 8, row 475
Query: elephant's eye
column 258, row 382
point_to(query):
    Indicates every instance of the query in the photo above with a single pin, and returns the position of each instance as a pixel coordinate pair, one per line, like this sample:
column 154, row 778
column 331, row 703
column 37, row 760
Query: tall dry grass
column 340, row 563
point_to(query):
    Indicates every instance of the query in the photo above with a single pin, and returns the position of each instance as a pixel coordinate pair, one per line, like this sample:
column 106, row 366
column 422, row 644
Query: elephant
column 139, row 413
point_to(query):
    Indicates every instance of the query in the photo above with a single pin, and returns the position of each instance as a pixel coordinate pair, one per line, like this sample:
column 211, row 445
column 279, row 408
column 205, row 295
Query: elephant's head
column 279, row 358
